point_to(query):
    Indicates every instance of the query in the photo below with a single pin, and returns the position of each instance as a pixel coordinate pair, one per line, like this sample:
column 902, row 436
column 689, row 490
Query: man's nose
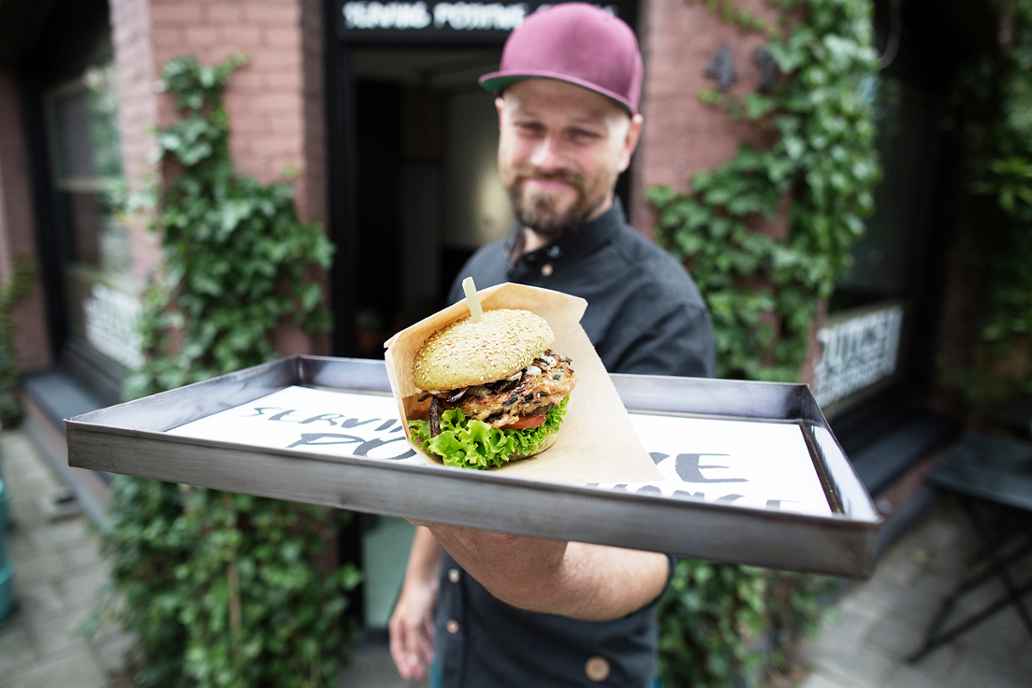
column 545, row 155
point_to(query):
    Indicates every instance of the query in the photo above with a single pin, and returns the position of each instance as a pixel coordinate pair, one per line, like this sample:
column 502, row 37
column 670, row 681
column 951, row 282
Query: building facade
column 372, row 112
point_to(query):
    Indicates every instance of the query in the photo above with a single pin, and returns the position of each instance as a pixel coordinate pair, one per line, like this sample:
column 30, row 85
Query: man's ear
column 630, row 142
column 500, row 107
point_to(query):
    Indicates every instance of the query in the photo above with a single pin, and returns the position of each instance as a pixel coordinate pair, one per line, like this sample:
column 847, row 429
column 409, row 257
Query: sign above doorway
column 371, row 20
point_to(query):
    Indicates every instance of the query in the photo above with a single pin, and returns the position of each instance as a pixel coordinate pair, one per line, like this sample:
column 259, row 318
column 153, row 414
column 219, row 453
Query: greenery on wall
column 762, row 290
column 722, row 625
column 1004, row 174
column 224, row 589
column 11, row 292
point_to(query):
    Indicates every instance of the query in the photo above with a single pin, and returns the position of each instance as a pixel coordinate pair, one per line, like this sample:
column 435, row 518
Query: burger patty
column 529, row 392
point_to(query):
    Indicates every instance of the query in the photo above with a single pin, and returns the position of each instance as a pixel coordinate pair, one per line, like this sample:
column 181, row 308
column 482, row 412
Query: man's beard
column 539, row 211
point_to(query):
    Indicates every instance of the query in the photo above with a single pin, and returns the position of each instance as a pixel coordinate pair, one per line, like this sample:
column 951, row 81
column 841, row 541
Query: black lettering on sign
column 260, row 410
column 386, row 424
column 689, row 470
column 355, row 422
column 649, row 489
column 323, row 439
column 730, row 498
column 327, row 417
column 776, row 503
column 281, row 416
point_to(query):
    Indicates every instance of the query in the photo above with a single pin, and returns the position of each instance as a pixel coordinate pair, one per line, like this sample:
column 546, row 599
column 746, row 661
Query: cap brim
column 496, row 82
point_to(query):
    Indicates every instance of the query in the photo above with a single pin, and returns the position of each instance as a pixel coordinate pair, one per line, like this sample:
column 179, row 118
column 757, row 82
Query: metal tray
column 131, row 438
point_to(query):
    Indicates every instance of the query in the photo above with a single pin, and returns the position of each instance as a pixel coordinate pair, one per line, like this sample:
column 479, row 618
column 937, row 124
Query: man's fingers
column 396, row 643
column 424, row 644
column 411, row 651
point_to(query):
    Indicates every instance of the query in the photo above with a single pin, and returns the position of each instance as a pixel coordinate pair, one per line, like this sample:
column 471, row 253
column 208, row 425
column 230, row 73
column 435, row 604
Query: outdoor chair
column 992, row 478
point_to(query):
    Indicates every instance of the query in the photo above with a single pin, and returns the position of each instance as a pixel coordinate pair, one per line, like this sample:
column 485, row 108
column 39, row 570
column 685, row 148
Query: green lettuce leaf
column 475, row 444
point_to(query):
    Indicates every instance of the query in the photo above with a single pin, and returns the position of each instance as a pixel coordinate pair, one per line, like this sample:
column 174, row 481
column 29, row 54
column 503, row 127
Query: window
column 86, row 174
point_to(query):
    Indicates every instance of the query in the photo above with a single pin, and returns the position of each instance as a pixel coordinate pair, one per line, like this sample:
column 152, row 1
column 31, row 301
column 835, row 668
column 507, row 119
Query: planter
column 6, row 573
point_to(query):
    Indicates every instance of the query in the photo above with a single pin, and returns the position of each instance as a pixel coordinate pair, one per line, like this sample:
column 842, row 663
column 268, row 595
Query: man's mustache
column 570, row 178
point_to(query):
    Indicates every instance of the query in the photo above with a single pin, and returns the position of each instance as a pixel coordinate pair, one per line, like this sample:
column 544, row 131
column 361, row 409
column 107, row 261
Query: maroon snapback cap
column 577, row 43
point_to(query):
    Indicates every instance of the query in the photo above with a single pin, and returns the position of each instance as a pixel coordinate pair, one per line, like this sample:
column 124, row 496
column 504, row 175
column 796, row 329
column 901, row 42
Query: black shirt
column 644, row 315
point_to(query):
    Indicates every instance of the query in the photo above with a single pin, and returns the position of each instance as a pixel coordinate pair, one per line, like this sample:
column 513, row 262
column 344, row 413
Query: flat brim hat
column 577, row 43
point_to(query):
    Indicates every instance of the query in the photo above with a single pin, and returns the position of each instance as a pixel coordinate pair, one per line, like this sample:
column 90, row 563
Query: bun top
column 471, row 353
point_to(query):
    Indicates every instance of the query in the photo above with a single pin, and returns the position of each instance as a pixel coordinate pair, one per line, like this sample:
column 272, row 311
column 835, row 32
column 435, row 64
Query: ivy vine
column 15, row 289
column 725, row 625
column 1006, row 176
column 763, row 290
column 224, row 589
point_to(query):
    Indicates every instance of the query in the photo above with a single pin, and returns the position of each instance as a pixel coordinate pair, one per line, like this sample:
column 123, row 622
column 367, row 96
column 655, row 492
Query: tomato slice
column 527, row 422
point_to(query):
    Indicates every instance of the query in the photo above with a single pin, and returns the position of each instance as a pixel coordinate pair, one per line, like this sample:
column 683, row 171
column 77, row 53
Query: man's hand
column 574, row 579
column 412, row 630
column 411, row 625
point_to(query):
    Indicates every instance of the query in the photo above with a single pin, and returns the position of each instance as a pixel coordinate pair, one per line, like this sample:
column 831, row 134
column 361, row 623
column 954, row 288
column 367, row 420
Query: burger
column 496, row 390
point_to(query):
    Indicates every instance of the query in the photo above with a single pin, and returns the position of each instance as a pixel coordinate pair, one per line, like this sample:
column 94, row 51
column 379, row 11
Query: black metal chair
column 992, row 478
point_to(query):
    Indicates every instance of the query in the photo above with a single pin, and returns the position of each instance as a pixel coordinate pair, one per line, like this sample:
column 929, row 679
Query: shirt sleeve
column 678, row 342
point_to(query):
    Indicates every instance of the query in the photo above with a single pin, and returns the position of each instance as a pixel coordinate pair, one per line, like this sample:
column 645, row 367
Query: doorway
column 427, row 193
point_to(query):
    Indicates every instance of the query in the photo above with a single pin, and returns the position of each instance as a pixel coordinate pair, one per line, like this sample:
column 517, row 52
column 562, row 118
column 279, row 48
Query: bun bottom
column 545, row 444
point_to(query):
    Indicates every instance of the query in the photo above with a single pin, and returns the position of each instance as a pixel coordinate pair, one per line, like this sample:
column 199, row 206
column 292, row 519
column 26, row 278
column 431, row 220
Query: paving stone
column 371, row 665
column 20, row 545
column 45, row 567
column 819, row 680
column 110, row 653
column 77, row 668
column 896, row 636
column 999, row 637
column 41, row 598
column 84, row 588
column 974, row 671
column 854, row 667
column 55, row 634
column 16, row 649
column 59, row 536
column 82, row 555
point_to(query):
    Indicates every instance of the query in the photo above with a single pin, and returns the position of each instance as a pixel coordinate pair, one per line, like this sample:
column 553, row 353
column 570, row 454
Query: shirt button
column 547, row 269
column 554, row 252
column 453, row 575
column 597, row 669
column 453, row 627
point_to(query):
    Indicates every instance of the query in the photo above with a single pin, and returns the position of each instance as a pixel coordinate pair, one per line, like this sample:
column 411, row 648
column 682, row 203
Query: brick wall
column 682, row 136
column 17, row 232
column 137, row 115
column 275, row 103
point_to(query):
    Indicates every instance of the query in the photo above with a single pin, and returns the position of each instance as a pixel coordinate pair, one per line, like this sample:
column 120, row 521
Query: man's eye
column 583, row 135
column 529, row 127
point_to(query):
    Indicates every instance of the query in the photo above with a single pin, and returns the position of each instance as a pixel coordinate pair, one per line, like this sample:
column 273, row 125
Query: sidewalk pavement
column 861, row 644
column 58, row 576
column 865, row 636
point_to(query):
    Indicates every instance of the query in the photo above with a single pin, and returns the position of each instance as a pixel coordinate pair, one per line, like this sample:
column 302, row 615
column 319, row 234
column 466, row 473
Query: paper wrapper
column 596, row 442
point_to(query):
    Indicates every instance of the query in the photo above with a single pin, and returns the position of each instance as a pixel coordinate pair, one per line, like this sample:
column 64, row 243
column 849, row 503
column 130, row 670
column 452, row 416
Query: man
column 486, row 609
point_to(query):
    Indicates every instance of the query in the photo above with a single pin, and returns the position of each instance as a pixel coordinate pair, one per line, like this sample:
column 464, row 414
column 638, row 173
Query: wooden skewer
column 472, row 300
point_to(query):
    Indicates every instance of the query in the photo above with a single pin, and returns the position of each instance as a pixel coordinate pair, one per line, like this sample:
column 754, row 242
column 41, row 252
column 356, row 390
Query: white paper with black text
column 744, row 463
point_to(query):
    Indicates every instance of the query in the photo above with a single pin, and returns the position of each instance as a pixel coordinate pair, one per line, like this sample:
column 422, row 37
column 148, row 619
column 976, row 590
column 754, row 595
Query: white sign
column 111, row 324
column 857, row 352
column 361, row 15
column 741, row 463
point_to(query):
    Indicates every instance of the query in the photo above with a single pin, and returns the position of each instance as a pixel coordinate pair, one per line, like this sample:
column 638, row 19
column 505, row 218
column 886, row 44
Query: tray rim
column 859, row 519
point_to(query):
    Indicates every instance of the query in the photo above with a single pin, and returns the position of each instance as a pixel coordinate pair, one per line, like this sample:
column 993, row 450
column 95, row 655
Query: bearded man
column 494, row 610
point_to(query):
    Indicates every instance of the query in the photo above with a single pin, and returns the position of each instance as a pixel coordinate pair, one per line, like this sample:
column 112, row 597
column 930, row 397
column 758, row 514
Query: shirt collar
column 577, row 242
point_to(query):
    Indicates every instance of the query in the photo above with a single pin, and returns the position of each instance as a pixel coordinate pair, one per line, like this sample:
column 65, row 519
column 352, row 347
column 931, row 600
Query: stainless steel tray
column 131, row 438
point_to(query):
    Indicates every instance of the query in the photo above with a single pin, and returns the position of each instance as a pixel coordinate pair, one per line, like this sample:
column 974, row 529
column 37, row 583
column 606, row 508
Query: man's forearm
column 599, row 583
column 582, row 581
column 424, row 557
